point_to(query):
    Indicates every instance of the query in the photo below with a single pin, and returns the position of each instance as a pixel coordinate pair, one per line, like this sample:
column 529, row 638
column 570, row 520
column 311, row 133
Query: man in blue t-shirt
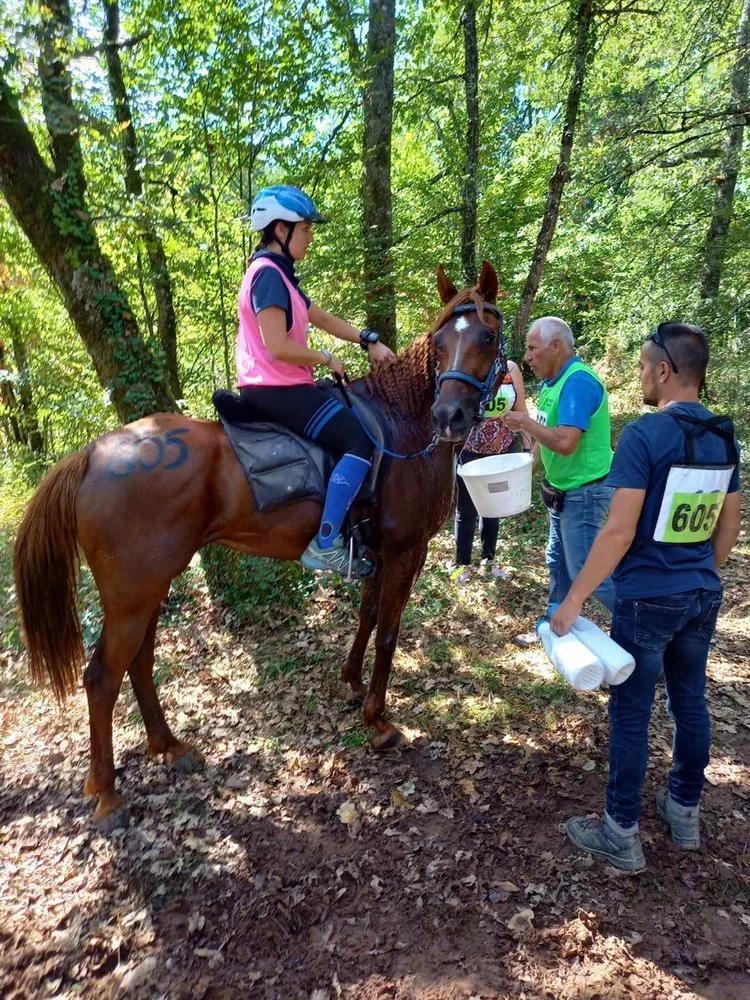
column 675, row 517
column 573, row 430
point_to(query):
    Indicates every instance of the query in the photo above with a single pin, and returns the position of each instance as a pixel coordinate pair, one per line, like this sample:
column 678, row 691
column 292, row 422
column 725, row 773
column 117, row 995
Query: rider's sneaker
column 684, row 821
column 335, row 559
column 607, row 840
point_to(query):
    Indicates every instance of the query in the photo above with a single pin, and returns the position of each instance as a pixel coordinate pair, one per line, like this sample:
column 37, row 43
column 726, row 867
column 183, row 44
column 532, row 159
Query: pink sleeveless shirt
column 255, row 366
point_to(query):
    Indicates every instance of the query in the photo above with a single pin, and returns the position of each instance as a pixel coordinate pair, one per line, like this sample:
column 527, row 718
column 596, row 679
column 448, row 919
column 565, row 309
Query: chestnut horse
column 140, row 501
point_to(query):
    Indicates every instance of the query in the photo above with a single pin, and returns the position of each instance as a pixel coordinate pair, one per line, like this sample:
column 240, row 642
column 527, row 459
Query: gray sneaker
column 684, row 821
column 335, row 559
column 598, row 837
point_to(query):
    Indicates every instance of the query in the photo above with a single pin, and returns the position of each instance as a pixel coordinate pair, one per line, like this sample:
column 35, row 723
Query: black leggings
column 466, row 522
column 311, row 412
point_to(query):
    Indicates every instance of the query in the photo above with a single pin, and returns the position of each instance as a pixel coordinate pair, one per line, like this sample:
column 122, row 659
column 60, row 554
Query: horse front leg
column 351, row 672
column 398, row 578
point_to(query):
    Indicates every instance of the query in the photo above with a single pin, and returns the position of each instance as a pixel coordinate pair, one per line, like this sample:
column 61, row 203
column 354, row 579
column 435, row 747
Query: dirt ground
column 299, row 864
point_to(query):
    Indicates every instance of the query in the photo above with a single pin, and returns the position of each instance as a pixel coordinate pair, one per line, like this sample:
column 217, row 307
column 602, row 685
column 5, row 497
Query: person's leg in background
column 559, row 580
column 465, row 524
column 583, row 515
column 685, row 674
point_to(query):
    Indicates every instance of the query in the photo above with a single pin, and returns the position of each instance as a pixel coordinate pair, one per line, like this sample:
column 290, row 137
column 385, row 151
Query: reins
column 381, row 447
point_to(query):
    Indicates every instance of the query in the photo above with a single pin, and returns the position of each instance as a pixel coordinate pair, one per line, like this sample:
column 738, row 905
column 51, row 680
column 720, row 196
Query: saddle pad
column 281, row 466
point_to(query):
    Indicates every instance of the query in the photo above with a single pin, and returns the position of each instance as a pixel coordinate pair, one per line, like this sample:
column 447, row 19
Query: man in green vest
column 573, row 431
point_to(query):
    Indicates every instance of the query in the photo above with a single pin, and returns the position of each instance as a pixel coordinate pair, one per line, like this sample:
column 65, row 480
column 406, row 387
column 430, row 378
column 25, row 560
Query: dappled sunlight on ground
column 299, row 861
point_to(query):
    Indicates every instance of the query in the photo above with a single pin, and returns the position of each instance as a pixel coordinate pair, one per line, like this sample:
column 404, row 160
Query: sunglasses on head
column 658, row 339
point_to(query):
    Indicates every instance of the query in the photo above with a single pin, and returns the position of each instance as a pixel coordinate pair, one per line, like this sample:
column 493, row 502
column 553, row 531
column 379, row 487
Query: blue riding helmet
column 282, row 203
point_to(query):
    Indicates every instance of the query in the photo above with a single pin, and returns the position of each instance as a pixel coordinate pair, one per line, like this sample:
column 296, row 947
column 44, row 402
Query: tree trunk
column 21, row 421
column 29, row 420
column 158, row 269
column 50, row 208
column 217, row 255
column 377, row 207
column 560, row 177
column 9, row 419
column 471, row 166
column 726, row 181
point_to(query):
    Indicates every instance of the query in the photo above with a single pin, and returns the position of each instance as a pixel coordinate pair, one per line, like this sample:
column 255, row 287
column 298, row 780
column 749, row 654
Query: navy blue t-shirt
column 580, row 398
column 644, row 454
column 268, row 288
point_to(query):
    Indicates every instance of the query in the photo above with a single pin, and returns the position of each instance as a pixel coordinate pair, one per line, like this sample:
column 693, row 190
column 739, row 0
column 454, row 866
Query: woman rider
column 274, row 362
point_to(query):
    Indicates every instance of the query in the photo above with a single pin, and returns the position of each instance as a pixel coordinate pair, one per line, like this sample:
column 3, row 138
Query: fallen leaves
column 521, row 924
column 347, row 813
column 243, row 877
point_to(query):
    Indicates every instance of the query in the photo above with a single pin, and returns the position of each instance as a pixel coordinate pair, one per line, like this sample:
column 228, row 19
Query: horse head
column 470, row 351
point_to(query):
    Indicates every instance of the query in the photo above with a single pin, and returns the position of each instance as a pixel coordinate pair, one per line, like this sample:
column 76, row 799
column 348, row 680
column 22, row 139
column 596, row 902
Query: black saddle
column 282, row 466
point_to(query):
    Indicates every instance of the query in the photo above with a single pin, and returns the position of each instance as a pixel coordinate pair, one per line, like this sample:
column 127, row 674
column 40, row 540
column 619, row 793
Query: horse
column 140, row 501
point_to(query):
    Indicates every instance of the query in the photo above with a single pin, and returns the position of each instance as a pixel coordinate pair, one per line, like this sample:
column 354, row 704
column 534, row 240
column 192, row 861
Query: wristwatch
column 327, row 357
column 367, row 337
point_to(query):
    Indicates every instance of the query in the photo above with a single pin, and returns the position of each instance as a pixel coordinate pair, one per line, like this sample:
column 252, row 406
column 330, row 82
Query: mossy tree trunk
column 50, row 207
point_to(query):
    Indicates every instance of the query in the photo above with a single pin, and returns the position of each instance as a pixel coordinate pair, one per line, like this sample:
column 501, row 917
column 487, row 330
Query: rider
column 274, row 362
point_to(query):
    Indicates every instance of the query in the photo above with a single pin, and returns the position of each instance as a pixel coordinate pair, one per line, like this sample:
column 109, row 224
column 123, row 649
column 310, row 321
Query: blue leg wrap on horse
column 346, row 479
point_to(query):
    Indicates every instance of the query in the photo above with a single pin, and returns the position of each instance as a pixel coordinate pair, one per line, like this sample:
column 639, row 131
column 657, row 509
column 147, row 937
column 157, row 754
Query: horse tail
column 45, row 565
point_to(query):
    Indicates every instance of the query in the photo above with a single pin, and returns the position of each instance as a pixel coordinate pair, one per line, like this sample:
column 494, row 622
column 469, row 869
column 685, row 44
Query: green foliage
column 17, row 483
column 228, row 98
column 247, row 583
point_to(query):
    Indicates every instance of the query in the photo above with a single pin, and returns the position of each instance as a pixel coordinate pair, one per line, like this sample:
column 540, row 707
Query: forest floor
column 299, row 864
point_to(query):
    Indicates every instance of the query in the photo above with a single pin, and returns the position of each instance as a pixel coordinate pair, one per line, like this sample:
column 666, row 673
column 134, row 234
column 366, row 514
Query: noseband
column 499, row 364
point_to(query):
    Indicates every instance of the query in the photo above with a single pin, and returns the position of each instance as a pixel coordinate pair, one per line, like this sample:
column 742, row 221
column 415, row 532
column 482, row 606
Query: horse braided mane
column 409, row 382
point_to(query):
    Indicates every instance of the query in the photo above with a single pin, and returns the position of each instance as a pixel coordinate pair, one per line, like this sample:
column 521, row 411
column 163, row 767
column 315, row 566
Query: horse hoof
column 387, row 737
column 111, row 817
column 188, row 761
column 354, row 696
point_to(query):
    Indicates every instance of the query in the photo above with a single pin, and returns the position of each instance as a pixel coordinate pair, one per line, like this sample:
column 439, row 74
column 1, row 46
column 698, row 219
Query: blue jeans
column 673, row 634
column 571, row 535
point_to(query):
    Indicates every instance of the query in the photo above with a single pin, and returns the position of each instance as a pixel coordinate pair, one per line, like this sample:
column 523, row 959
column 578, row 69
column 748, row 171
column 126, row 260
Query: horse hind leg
column 120, row 640
column 160, row 738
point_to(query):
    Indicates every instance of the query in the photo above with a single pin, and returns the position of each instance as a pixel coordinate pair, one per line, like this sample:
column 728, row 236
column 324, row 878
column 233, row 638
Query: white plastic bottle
column 578, row 665
column 617, row 662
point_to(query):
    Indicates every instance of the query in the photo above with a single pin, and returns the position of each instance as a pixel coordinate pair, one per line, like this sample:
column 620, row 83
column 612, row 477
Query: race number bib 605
column 693, row 498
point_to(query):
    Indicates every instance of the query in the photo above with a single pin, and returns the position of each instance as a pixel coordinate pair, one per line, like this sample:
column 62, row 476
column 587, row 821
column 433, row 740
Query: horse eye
column 488, row 337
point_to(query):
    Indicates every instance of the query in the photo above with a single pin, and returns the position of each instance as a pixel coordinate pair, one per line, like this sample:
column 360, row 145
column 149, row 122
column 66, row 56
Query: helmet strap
column 288, row 240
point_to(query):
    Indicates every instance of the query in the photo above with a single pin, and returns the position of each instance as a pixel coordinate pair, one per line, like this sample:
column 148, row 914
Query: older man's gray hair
column 550, row 327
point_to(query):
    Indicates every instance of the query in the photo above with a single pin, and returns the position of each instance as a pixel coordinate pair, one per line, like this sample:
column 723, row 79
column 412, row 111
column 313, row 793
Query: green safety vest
column 593, row 456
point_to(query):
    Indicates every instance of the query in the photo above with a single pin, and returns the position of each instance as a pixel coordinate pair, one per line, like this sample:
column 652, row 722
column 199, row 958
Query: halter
column 499, row 364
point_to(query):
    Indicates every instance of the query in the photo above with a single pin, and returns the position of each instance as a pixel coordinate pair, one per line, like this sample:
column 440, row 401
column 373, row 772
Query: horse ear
column 446, row 288
column 488, row 284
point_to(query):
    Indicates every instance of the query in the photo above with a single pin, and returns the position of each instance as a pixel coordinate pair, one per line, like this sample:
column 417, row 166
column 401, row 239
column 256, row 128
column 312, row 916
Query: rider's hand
column 337, row 367
column 379, row 353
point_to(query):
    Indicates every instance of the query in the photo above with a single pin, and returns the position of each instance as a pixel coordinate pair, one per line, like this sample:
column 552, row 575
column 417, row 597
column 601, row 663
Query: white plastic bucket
column 499, row 485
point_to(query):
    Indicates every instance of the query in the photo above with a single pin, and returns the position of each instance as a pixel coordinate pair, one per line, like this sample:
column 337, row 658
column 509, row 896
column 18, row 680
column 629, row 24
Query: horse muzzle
column 453, row 421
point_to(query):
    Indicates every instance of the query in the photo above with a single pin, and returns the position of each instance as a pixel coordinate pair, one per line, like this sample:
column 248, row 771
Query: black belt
column 592, row 483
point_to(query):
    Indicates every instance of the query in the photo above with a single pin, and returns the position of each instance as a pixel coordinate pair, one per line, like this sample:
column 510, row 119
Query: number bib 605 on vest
column 692, row 502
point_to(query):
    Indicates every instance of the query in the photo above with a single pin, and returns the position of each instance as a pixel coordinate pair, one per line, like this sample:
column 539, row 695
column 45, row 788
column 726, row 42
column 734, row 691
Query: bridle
column 498, row 366
column 486, row 387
